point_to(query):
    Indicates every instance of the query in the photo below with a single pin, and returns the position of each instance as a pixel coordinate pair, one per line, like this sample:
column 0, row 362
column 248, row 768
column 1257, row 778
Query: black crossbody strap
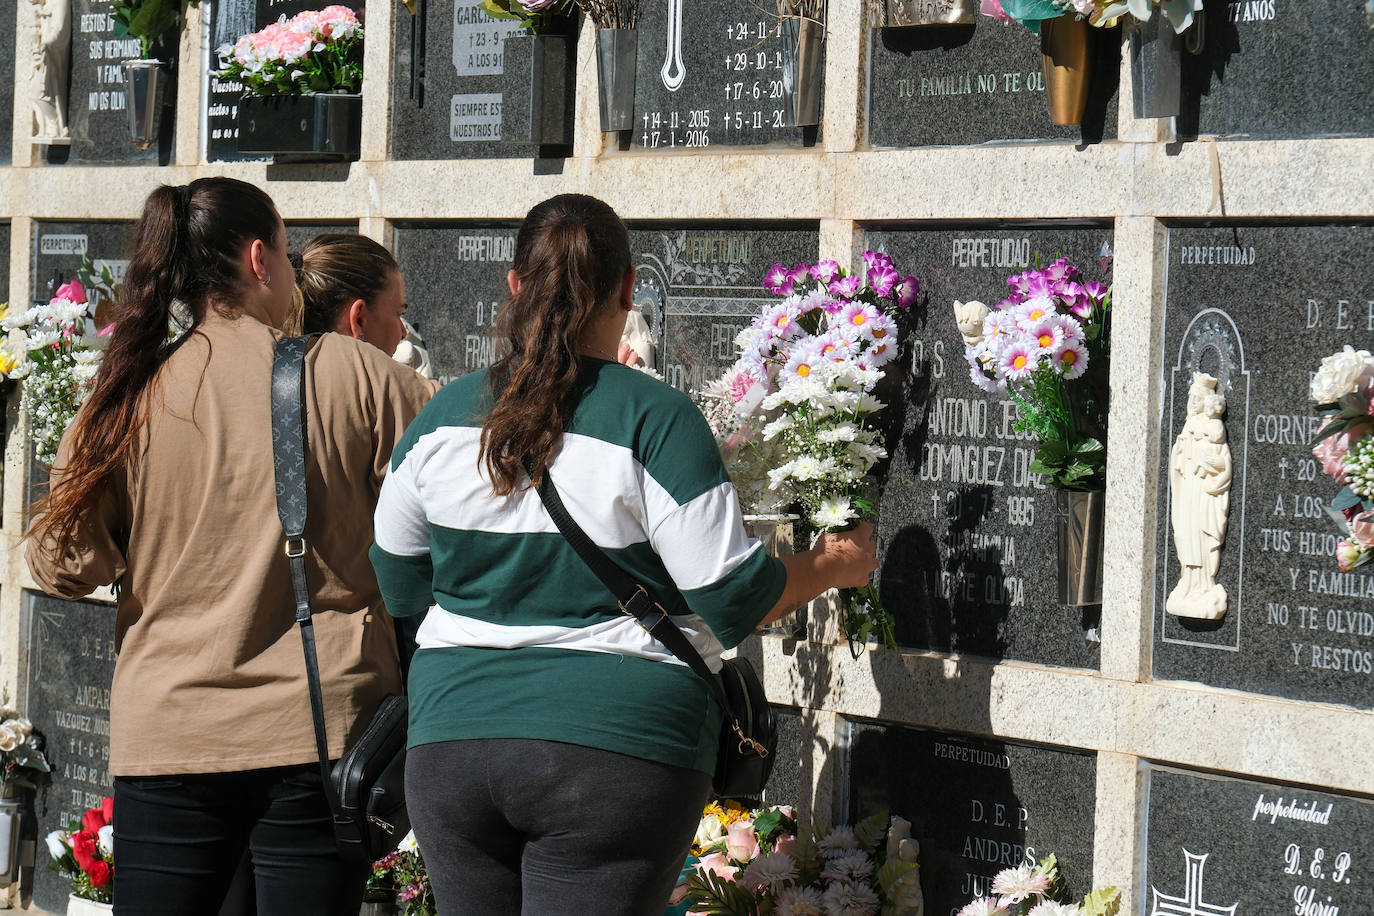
column 288, row 460
column 632, row 597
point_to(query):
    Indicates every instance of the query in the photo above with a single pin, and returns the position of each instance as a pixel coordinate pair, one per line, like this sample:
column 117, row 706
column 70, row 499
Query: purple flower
column 832, row 306
column 882, row 278
column 874, row 259
column 1096, row 290
column 825, row 271
column 846, row 287
column 800, row 273
column 908, row 292
column 778, row 280
column 1061, row 269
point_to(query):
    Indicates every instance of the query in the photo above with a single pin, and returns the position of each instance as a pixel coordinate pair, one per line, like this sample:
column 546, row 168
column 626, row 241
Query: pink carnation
column 1331, row 452
column 1362, row 530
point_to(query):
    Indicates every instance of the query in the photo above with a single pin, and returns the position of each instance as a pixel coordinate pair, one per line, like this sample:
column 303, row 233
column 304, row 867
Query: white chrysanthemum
column 409, row 844
column 1050, row 908
column 840, row 432
column 833, row 512
column 1013, row 885
column 845, row 899
column 853, row 867
column 807, row 467
column 778, row 476
column 839, row 841
column 772, row 872
column 869, row 404
column 983, row 906
column 778, row 426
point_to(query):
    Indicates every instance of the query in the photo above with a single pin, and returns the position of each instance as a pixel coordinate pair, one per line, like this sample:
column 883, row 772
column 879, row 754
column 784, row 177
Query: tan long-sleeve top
column 210, row 676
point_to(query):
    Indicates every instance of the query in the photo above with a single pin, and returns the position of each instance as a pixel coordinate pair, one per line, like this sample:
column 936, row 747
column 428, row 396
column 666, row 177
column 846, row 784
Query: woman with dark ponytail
column 560, row 756
column 164, row 485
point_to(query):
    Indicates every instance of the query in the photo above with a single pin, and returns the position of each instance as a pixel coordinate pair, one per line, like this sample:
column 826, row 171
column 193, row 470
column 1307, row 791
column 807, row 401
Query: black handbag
column 749, row 730
column 366, row 788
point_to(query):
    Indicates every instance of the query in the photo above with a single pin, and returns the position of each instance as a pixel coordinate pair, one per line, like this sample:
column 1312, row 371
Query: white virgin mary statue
column 1200, row 486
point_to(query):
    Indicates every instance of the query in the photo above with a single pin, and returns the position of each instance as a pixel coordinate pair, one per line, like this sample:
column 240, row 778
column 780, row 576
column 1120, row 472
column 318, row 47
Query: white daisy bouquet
column 1031, row 346
column 794, row 414
column 1101, row 13
column 763, row 862
column 314, row 51
column 1030, row 891
column 1343, row 390
column 55, row 349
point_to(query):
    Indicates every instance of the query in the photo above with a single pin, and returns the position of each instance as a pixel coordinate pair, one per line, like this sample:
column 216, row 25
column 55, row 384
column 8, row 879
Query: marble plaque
column 1281, row 69
column 710, row 74
column 698, row 287
column 968, row 534
column 8, row 69
column 1258, row 307
column 71, row 658
column 97, row 105
column 450, row 83
column 455, row 276
column 1260, row 848
column 982, row 83
column 976, row 806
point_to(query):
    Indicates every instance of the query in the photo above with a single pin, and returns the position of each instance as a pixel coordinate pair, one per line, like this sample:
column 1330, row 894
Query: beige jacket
column 210, row 676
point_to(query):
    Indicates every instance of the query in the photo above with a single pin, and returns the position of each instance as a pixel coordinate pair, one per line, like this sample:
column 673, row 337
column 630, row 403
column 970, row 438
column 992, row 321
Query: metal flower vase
column 538, row 96
column 1066, row 59
column 11, row 836
column 314, row 127
column 616, row 52
column 802, row 44
column 1081, row 515
column 1156, row 53
column 906, row 13
column 777, row 532
column 144, row 80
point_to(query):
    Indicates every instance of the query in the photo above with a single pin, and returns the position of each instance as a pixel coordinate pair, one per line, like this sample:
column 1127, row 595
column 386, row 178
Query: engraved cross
column 1190, row 904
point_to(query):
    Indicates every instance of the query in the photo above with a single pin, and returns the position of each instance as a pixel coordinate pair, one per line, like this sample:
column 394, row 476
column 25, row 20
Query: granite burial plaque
column 97, row 107
column 299, row 233
column 710, row 73
column 1259, row 849
column 1258, row 307
column 1281, row 69
column 698, row 287
column 455, row 276
column 791, row 776
column 449, row 84
column 7, row 79
column 61, row 246
column 977, row 806
column 968, row 532
column 229, row 20
column 71, row 659
column 955, row 85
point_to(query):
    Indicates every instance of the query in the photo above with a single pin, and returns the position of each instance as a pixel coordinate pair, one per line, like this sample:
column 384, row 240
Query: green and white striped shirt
column 520, row 639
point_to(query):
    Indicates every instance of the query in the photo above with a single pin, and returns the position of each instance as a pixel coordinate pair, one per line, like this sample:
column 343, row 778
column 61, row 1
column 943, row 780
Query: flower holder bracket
column 322, row 127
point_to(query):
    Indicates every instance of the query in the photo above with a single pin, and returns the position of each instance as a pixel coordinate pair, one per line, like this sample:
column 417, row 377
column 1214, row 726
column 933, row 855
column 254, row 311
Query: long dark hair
column 187, row 247
column 337, row 268
column 570, row 255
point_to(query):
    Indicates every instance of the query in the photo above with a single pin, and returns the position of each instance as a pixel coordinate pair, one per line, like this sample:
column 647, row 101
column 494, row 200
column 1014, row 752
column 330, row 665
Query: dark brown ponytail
column 571, row 254
column 337, row 268
column 187, row 246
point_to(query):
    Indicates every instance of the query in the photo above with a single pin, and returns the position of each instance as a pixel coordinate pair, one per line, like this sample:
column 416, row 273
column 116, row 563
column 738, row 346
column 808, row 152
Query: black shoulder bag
column 366, row 788
column 749, row 731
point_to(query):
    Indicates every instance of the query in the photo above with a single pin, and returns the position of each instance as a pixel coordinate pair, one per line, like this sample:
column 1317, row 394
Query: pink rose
column 716, row 864
column 1362, row 530
column 72, row 292
column 741, row 843
column 1346, row 555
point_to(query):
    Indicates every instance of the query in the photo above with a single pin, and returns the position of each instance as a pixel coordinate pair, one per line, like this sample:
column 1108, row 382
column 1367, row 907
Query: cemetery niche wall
column 1262, row 848
column 976, row 805
column 458, row 93
column 8, row 69
column 1258, row 307
column 980, row 83
column 968, row 533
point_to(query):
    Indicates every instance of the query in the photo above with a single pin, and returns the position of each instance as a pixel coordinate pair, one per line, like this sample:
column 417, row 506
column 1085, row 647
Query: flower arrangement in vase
column 55, row 349
column 1100, row 13
column 1045, row 347
column 764, row 861
column 400, row 876
column 794, row 414
column 84, row 853
column 23, row 763
column 1030, row 890
column 314, row 51
column 540, row 17
column 1343, row 390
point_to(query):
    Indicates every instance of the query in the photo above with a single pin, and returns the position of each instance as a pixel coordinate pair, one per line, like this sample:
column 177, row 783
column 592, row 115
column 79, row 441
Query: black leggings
column 510, row 826
column 180, row 839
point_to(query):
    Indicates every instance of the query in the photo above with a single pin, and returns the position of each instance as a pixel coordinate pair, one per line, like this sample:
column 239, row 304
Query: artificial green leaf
column 871, row 830
column 1345, row 499
column 713, row 895
column 767, row 824
column 1102, row 902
